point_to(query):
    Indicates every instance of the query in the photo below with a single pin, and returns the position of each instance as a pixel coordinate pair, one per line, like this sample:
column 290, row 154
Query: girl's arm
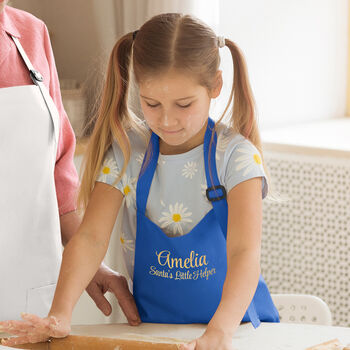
column 82, row 257
column 243, row 266
column 85, row 251
column 243, row 255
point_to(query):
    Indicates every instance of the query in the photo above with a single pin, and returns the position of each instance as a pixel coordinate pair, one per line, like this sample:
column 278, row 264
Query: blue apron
column 180, row 279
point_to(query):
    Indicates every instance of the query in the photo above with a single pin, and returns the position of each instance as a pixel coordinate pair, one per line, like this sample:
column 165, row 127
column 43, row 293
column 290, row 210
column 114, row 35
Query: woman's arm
column 243, row 266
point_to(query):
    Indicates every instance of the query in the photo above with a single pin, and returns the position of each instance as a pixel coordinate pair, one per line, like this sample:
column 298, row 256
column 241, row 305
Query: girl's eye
column 186, row 106
column 152, row 106
column 156, row 105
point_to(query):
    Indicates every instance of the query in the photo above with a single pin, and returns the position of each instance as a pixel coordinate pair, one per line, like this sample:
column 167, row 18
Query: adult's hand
column 33, row 329
column 108, row 280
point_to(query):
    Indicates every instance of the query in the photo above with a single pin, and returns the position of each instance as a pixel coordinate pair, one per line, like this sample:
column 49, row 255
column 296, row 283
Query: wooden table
column 268, row 336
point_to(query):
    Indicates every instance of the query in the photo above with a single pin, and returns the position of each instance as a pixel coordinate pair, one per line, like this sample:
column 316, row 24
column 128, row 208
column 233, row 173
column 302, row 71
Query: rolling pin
column 76, row 342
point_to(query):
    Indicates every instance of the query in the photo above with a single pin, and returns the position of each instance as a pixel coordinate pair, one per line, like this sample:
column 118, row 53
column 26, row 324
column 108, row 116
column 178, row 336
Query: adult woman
column 38, row 180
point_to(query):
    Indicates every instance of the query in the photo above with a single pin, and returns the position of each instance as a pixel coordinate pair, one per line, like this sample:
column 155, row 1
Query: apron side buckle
column 217, row 197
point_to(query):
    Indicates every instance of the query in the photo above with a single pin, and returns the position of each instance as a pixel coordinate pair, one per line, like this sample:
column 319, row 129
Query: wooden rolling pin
column 333, row 344
column 77, row 342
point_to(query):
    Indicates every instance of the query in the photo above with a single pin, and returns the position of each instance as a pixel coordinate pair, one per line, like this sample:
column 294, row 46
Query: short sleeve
column 109, row 171
column 245, row 163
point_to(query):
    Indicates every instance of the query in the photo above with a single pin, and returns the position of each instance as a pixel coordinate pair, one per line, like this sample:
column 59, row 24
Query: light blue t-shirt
column 177, row 200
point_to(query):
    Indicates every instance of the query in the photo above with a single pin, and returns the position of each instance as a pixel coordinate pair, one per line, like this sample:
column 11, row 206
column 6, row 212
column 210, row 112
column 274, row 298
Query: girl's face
column 176, row 108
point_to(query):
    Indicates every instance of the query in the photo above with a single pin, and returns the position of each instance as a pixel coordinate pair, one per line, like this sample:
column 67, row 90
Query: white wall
column 296, row 53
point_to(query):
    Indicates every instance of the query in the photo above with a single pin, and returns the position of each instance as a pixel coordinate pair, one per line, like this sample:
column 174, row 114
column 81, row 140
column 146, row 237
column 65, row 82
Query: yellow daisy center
column 176, row 217
column 122, row 240
column 257, row 159
column 106, row 170
column 127, row 190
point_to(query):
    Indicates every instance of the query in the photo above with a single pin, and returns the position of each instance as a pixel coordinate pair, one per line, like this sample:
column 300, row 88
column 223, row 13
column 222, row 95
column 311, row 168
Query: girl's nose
column 168, row 121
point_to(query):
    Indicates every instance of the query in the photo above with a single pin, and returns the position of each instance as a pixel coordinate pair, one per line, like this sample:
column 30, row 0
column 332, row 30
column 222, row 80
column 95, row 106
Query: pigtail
column 243, row 117
column 112, row 119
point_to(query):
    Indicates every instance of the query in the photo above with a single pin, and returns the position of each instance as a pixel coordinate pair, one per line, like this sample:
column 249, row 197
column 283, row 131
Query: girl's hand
column 34, row 329
column 211, row 339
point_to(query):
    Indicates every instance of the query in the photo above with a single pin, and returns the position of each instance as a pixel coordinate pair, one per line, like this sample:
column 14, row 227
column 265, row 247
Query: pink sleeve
column 66, row 177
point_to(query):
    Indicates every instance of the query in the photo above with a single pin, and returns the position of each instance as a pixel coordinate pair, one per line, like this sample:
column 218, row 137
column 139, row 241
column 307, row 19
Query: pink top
column 33, row 35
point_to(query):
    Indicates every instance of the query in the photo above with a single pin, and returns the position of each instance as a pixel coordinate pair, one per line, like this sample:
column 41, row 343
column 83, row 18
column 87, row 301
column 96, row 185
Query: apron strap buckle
column 218, row 196
column 36, row 76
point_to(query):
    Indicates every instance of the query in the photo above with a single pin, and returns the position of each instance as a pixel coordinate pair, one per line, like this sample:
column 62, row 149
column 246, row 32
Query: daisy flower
column 248, row 160
column 109, row 168
column 222, row 143
column 127, row 244
column 140, row 157
column 175, row 217
column 204, row 190
column 189, row 170
column 129, row 189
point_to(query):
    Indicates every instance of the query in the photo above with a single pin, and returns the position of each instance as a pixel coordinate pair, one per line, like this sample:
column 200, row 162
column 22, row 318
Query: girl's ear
column 215, row 92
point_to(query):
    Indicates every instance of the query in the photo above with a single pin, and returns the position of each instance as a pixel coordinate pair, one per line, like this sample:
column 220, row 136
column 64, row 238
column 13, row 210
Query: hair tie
column 221, row 41
column 134, row 35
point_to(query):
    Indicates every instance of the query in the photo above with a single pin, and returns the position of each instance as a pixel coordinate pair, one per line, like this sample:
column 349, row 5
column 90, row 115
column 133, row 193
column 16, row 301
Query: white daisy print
column 204, row 190
column 189, row 169
column 222, row 143
column 248, row 160
column 127, row 244
column 162, row 203
column 176, row 216
column 129, row 189
column 109, row 168
column 160, row 161
column 140, row 157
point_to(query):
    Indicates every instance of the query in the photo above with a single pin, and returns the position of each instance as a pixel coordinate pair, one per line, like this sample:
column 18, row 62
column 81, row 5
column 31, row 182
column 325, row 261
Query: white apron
column 30, row 238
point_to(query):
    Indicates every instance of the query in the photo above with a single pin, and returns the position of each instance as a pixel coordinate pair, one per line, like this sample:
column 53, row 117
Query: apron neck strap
column 215, row 192
column 36, row 77
column 209, row 148
column 146, row 173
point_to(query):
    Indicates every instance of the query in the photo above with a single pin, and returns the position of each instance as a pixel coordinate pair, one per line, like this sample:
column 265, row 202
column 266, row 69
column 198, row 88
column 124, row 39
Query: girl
column 192, row 189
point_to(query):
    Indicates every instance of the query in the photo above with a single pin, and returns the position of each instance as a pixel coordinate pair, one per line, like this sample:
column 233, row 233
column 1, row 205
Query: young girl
column 193, row 189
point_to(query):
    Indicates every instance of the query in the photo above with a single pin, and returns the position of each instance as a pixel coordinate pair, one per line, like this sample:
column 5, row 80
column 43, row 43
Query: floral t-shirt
column 177, row 200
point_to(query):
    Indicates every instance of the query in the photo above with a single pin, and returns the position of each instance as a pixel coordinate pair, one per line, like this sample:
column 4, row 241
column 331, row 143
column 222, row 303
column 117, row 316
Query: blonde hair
column 166, row 41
